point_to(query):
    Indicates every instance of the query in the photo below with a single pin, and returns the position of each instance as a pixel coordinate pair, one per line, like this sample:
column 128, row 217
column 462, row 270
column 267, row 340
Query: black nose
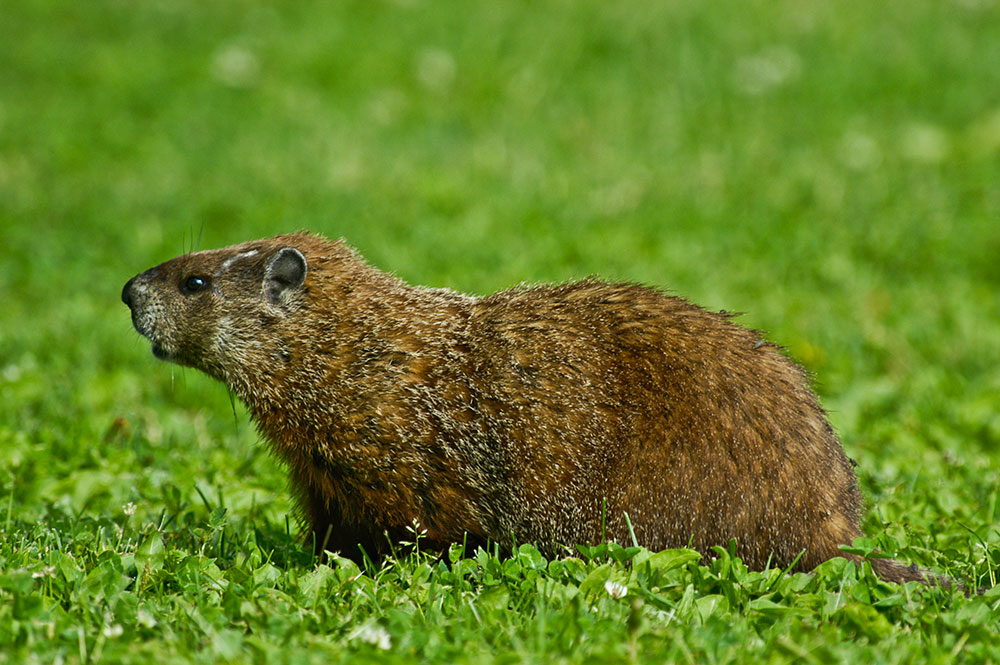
column 127, row 293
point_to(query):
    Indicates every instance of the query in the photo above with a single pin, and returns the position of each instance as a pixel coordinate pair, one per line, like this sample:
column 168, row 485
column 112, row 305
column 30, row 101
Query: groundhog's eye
column 193, row 284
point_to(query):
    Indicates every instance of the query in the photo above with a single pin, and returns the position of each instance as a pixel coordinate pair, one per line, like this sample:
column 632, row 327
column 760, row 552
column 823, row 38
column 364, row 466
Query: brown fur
column 539, row 414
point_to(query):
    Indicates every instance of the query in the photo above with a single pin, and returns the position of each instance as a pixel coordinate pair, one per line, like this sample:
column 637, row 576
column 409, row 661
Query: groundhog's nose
column 137, row 285
column 127, row 293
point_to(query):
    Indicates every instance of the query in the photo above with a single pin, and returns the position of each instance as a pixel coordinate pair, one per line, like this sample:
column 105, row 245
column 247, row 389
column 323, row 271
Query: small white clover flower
column 615, row 589
column 113, row 631
column 48, row 571
column 374, row 635
column 129, row 509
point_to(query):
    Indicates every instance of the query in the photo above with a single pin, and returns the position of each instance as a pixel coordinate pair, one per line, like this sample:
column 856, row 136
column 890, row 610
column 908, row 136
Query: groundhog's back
column 619, row 399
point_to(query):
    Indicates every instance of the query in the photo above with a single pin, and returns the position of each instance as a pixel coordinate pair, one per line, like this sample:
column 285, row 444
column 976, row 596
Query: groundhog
column 541, row 414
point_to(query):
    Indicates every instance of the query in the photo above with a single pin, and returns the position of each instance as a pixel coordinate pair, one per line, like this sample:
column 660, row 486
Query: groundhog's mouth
column 161, row 351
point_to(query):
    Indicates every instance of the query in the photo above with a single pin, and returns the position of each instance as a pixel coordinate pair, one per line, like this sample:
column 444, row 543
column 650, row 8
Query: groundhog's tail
column 893, row 571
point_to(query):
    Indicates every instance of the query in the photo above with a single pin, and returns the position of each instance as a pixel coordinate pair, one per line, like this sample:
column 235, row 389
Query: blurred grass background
column 830, row 168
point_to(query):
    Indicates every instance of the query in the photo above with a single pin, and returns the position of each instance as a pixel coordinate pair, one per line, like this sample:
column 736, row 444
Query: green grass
column 831, row 169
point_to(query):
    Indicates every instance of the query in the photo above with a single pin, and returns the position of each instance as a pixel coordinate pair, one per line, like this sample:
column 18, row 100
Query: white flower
column 129, row 509
column 236, row 67
column 615, row 589
column 435, row 69
column 767, row 70
column 374, row 635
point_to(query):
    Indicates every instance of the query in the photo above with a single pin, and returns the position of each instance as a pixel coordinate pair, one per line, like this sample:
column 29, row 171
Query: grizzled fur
column 540, row 414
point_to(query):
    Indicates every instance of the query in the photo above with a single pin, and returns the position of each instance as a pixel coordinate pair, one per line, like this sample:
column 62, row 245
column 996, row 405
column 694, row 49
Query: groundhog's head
column 213, row 310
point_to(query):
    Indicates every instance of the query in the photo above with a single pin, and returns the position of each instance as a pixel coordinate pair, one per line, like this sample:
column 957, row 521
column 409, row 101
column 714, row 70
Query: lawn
column 832, row 170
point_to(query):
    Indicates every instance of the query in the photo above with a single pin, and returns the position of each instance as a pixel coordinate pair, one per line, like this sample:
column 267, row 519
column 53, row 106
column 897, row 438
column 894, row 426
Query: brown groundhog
column 540, row 414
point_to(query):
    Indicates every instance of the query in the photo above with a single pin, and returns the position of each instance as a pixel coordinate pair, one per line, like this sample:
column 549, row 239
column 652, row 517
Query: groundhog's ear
column 284, row 275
